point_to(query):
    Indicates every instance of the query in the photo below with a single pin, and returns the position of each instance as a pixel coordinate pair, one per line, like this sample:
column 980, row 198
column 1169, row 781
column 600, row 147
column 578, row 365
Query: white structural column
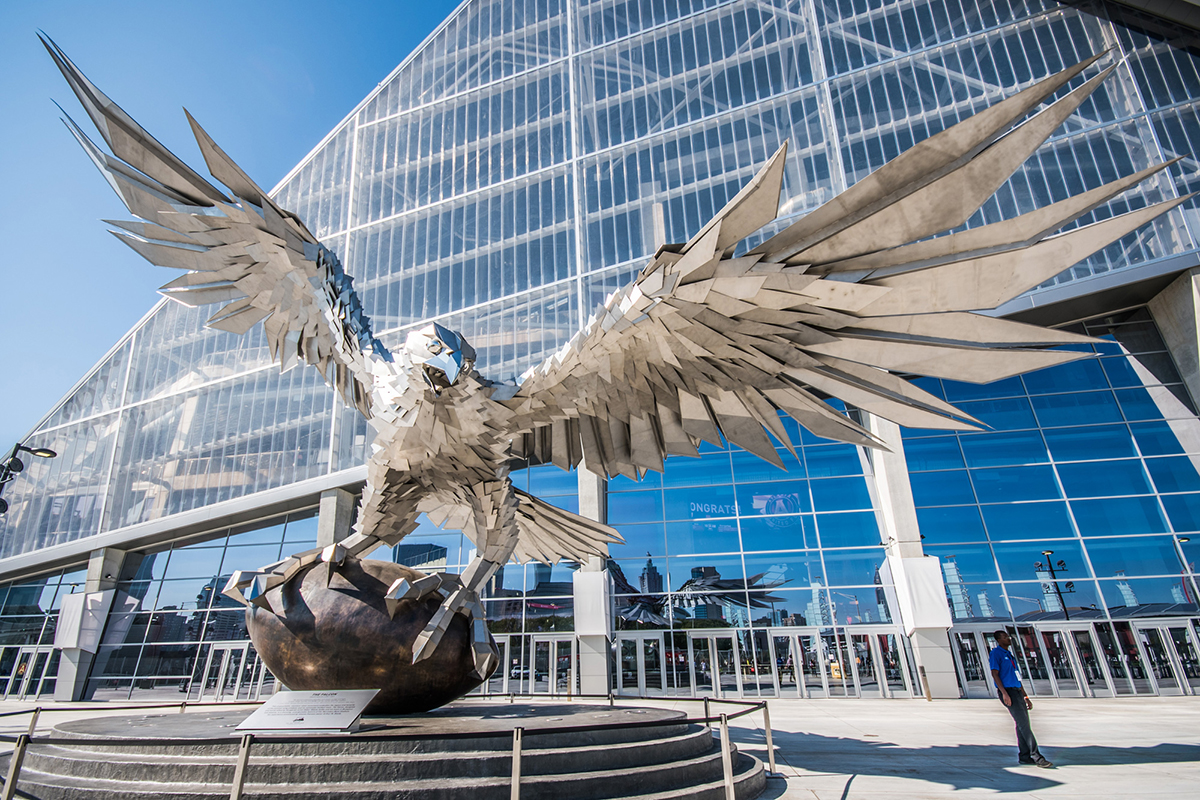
column 81, row 622
column 920, row 590
column 1175, row 312
column 336, row 517
column 593, row 609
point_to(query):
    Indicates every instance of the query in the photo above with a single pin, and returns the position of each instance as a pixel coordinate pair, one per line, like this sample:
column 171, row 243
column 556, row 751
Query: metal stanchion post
column 925, row 683
column 239, row 772
column 518, row 732
column 37, row 712
column 707, row 715
column 14, row 767
column 610, row 699
column 770, row 744
column 183, row 707
column 726, row 759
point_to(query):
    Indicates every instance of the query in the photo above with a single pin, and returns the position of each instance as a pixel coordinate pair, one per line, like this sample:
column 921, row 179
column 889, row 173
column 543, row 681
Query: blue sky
column 266, row 78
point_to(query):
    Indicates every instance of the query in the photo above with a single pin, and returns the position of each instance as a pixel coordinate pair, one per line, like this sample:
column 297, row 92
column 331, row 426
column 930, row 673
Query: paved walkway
column 876, row 749
column 962, row 749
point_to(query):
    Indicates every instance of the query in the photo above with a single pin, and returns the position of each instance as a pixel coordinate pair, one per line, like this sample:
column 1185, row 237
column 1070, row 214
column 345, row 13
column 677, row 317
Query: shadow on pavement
column 965, row 766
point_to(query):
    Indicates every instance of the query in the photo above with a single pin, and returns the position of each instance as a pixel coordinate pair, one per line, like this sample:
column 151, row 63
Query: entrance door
column 1122, row 658
column 28, row 672
column 1063, row 667
column 971, row 656
column 799, row 667
column 1171, row 652
column 645, row 664
column 715, row 664
column 554, row 660
column 972, row 647
column 232, row 673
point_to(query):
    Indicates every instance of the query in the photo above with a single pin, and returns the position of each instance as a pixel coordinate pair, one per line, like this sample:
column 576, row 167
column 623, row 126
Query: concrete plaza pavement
column 908, row 749
column 875, row 749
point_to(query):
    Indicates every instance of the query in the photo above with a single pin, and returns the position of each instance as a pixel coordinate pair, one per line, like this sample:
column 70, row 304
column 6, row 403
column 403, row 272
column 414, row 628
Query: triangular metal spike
column 128, row 140
column 919, row 165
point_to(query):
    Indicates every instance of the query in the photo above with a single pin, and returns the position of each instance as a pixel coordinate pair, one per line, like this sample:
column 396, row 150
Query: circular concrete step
column 452, row 759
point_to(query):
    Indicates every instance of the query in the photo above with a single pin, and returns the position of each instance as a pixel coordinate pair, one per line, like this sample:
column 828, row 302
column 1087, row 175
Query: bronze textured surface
column 341, row 636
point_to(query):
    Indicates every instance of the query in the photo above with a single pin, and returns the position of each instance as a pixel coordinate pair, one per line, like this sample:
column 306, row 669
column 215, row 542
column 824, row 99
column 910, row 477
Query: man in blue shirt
column 1008, row 684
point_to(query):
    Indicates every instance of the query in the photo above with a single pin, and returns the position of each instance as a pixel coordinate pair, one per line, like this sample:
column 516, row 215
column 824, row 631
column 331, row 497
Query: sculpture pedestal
column 450, row 760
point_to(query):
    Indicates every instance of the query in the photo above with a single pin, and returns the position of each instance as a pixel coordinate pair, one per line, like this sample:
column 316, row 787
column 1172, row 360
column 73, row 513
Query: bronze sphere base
column 341, row 636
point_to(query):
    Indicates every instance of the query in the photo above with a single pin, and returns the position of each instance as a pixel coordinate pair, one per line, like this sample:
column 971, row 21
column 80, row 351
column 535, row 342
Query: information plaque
column 309, row 712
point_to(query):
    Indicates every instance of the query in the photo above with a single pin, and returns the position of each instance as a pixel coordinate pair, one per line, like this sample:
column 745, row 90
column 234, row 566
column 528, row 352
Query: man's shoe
column 1026, row 761
column 1043, row 763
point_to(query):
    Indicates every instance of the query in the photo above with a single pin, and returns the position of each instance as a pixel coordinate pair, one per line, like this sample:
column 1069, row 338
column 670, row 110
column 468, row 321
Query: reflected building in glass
column 518, row 167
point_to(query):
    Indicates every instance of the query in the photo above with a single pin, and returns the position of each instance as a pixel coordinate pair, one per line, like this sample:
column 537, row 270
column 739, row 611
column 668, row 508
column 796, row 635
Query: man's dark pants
column 1026, row 742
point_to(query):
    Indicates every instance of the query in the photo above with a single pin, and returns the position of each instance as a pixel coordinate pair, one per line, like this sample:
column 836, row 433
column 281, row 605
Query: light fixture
column 1182, row 539
column 13, row 466
column 1047, row 553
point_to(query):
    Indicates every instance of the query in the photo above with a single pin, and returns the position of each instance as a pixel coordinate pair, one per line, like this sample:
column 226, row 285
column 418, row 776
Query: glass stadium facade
column 522, row 164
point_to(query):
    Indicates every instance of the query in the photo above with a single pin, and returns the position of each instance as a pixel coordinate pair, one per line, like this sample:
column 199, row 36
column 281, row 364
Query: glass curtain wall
column 169, row 613
column 1094, row 461
column 506, row 177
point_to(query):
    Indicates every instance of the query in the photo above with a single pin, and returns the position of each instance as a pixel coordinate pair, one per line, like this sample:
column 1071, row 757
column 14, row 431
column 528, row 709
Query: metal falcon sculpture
column 704, row 345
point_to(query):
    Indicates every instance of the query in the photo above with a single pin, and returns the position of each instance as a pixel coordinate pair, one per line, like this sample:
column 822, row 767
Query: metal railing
column 22, row 741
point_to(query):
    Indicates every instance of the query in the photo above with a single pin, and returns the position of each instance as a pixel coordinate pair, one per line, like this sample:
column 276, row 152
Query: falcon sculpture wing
column 259, row 261
column 714, row 340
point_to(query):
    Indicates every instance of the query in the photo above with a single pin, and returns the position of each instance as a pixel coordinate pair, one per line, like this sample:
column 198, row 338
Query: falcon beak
column 443, row 369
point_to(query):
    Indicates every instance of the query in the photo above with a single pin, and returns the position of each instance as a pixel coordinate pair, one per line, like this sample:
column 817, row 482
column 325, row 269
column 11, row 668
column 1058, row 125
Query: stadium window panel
column 1027, row 520
column 635, row 507
column 681, row 569
column 1103, row 478
column 933, row 452
column 832, row 460
column 195, row 562
column 640, row 540
column 1083, row 374
column 778, row 533
column 948, row 488
column 966, row 563
column 700, row 502
column 797, row 569
column 848, row 529
column 1080, row 408
column 1019, row 561
column 1039, row 600
column 840, row 494
column 853, row 567
column 1183, row 510
column 1156, row 438
column 1135, row 555
column 1015, row 484
column 951, row 524
column 1118, row 515
column 703, row 536
column 748, row 467
column 1090, row 442
column 1004, row 449
column 1174, row 474
column 769, row 499
column 1166, row 595
column 1007, row 414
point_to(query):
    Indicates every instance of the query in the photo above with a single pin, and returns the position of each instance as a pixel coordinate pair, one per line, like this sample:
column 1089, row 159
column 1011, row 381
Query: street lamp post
column 14, row 466
column 1058, row 591
column 1189, row 575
